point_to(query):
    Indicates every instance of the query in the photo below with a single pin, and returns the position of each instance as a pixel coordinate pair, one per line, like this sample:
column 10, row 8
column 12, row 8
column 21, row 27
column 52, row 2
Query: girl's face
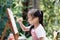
column 32, row 20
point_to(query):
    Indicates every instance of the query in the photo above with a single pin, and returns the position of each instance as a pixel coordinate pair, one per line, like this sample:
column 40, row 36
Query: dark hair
column 37, row 13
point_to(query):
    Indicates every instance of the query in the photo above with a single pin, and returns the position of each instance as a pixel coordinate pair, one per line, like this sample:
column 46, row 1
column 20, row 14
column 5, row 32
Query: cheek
column 30, row 22
column 35, row 20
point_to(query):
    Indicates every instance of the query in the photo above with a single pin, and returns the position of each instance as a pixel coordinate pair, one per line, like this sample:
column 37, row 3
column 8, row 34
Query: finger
column 20, row 19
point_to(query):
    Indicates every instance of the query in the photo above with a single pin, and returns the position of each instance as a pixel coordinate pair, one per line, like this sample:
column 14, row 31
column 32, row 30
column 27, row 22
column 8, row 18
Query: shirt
column 38, row 32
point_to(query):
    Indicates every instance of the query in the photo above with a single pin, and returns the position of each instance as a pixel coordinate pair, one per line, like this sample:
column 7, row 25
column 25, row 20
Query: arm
column 22, row 26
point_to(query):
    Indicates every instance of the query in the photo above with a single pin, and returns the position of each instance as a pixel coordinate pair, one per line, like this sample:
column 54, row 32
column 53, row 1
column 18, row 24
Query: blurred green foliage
column 16, row 7
column 51, row 16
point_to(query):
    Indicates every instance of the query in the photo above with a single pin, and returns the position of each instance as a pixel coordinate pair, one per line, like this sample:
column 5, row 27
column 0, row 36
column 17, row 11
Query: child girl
column 35, row 18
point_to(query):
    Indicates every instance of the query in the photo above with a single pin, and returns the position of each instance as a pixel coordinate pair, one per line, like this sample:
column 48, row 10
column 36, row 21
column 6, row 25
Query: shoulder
column 40, row 32
column 40, row 27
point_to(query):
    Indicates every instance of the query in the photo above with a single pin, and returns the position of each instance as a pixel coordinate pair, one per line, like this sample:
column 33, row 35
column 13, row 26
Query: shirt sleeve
column 40, row 32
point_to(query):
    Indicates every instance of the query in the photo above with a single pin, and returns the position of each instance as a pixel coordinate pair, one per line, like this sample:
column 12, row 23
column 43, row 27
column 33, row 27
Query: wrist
column 20, row 22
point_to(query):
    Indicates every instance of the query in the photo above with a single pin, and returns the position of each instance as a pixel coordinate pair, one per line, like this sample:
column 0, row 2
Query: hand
column 19, row 20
